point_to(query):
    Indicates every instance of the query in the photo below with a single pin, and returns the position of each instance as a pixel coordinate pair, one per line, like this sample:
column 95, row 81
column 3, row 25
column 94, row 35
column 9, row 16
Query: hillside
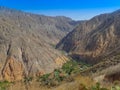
column 95, row 39
column 55, row 28
column 27, row 43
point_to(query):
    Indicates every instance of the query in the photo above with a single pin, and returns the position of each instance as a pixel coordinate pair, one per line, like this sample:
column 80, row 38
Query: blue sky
column 76, row 9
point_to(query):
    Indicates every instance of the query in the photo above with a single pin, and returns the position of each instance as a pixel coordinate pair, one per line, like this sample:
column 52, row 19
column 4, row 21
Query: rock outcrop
column 13, row 70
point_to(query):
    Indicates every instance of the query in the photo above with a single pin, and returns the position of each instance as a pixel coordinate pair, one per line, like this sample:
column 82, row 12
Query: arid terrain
column 27, row 43
column 40, row 52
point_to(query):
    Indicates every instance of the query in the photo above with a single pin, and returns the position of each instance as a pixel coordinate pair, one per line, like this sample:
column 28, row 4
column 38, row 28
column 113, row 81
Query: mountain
column 94, row 40
column 54, row 27
column 27, row 43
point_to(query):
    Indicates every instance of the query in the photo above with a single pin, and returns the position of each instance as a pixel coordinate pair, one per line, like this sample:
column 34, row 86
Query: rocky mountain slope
column 95, row 39
column 27, row 43
column 54, row 27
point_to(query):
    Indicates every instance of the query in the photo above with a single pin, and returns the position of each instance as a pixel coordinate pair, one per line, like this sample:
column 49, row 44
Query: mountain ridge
column 91, row 39
column 27, row 43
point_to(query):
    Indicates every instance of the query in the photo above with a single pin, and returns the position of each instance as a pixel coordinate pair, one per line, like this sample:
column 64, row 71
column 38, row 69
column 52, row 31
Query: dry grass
column 74, row 85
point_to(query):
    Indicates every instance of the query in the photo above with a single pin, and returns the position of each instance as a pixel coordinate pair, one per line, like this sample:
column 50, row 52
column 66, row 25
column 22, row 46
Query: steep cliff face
column 27, row 43
column 95, row 39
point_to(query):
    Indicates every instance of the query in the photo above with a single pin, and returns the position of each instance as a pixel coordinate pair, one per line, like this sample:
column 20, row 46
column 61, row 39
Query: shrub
column 55, row 78
column 69, row 79
column 97, row 87
column 57, row 75
column 73, row 67
column 116, row 87
column 28, row 79
column 70, row 67
column 51, row 79
column 44, row 79
column 82, row 87
column 116, row 82
column 4, row 85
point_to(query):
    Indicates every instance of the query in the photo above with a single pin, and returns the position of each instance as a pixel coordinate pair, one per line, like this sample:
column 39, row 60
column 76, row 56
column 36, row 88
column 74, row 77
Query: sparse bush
column 57, row 75
column 53, row 83
column 52, row 79
column 73, row 67
column 97, row 87
column 116, row 87
column 44, row 79
column 28, row 79
column 69, row 79
column 70, row 67
column 4, row 85
column 82, row 87
column 116, row 82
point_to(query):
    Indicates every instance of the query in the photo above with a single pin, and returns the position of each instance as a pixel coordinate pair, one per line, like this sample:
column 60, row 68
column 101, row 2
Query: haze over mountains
column 27, row 43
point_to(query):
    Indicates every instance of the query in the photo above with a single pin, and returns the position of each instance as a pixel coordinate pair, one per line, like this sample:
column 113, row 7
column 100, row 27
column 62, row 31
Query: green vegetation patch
column 63, row 74
column 4, row 85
